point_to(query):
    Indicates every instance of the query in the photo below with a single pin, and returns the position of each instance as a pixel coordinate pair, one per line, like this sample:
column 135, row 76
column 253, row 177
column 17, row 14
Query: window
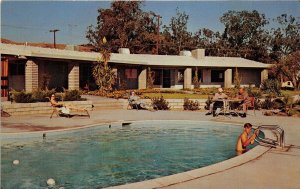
column 17, row 68
column 131, row 73
column 157, row 75
column 217, row 75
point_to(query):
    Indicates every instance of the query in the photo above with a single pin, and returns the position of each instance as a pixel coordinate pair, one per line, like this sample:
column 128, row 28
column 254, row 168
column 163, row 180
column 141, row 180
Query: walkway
column 273, row 169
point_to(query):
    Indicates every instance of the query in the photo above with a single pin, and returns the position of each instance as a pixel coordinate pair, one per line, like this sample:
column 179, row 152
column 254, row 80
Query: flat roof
column 135, row 59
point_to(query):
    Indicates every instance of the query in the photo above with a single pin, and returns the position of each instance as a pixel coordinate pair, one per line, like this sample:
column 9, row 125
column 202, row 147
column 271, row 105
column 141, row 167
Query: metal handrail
column 275, row 129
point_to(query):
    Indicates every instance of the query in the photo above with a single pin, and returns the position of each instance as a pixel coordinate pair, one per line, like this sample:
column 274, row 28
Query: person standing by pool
column 244, row 140
column 217, row 101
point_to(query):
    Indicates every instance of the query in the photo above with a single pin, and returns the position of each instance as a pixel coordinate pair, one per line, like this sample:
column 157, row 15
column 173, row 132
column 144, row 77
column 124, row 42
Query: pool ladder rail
column 278, row 142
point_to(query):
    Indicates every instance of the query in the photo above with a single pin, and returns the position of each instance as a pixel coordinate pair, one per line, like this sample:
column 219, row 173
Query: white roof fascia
column 136, row 59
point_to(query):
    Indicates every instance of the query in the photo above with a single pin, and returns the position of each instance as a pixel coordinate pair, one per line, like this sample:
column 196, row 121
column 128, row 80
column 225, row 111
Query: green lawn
column 290, row 93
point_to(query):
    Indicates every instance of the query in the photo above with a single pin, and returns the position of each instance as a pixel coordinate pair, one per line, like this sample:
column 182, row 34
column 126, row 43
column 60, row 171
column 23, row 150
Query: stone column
column 187, row 83
column 31, row 76
column 73, row 76
column 142, row 80
column 228, row 78
column 263, row 75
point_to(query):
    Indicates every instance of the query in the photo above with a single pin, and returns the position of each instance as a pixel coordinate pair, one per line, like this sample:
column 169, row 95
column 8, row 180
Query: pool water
column 100, row 156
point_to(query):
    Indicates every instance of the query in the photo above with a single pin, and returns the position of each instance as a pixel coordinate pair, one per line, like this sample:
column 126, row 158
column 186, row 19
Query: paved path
column 273, row 169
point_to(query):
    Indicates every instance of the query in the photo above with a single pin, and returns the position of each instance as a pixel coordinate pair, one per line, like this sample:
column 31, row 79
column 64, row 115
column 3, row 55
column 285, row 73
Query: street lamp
column 54, row 31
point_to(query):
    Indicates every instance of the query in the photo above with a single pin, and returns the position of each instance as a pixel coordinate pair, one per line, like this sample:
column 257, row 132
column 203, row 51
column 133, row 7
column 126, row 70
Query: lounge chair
column 137, row 104
column 64, row 111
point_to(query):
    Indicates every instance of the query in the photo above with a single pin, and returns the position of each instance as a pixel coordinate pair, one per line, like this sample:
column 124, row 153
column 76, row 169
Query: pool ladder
column 278, row 133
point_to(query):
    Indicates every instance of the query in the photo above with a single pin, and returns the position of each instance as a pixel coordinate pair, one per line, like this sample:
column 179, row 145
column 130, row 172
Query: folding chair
column 251, row 104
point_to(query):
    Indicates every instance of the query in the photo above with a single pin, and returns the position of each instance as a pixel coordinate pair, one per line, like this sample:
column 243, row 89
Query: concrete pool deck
column 259, row 168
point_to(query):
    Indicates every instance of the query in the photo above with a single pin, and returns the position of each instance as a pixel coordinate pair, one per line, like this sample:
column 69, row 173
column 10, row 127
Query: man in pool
column 244, row 140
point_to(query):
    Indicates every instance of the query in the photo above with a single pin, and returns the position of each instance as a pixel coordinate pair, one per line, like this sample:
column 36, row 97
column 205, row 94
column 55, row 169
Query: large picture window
column 217, row 75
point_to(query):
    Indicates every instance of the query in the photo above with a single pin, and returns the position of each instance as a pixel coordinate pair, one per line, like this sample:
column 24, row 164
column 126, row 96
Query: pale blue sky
column 31, row 20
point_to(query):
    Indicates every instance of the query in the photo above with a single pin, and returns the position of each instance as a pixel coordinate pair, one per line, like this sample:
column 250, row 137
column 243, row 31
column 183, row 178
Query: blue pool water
column 101, row 156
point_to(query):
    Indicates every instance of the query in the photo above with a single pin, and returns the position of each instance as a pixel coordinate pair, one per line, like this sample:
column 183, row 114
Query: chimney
column 185, row 53
column 198, row 53
column 124, row 51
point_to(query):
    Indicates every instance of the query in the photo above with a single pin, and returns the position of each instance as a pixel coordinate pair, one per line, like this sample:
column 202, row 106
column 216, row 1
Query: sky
column 31, row 21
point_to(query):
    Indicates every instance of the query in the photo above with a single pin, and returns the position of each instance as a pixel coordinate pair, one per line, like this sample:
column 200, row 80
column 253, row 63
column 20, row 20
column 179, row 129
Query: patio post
column 31, row 76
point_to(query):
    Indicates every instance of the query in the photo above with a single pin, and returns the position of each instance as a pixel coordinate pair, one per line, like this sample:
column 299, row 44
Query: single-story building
column 28, row 68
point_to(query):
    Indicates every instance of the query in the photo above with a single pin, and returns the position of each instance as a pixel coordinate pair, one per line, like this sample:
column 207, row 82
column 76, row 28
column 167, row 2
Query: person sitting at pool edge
column 244, row 140
column 243, row 95
column 216, row 104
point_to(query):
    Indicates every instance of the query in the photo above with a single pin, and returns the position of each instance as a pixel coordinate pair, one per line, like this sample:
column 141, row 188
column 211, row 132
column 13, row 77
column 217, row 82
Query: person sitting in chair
column 62, row 107
column 135, row 100
column 245, row 100
column 216, row 102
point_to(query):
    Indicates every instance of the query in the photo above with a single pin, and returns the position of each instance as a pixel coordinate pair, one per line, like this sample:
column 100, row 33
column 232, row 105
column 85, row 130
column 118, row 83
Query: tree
column 104, row 76
column 289, row 67
column 176, row 36
column 150, row 78
column 196, row 80
column 237, row 79
column 245, row 35
column 124, row 25
column 286, row 38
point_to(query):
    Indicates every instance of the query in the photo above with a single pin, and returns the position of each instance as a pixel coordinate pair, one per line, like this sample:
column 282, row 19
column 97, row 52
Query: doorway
column 166, row 78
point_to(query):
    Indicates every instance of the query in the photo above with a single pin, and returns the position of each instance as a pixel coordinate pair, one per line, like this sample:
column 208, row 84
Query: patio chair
column 249, row 104
column 132, row 104
column 57, row 110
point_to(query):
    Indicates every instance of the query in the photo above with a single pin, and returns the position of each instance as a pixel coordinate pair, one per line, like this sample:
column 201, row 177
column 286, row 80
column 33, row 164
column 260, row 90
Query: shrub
column 255, row 92
column 271, row 87
column 72, row 95
column 22, row 97
column 267, row 104
column 40, row 95
column 160, row 103
column 118, row 94
column 190, row 104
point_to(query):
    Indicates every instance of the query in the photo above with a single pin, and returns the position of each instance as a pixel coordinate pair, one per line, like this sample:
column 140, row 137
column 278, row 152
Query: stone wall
column 45, row 107
column 39, row 107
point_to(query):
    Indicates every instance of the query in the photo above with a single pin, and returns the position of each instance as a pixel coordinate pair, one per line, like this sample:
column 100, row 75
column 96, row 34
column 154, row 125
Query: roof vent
column 185, row 53
column 124, row 51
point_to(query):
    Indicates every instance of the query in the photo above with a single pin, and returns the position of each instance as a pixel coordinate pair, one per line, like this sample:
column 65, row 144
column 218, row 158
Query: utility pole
column 157, row 29
column 54, row 31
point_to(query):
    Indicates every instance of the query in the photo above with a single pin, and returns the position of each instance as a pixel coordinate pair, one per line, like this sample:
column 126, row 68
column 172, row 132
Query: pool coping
column 166, row 180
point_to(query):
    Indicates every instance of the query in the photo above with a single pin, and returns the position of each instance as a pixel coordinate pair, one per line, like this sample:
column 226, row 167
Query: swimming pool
column 102, row 156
